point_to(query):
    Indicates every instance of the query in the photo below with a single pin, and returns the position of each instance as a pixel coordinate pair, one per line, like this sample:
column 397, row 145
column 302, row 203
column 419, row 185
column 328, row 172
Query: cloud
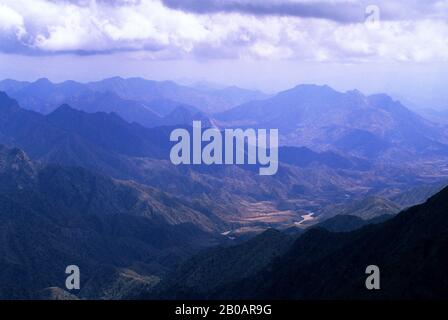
column 99, row 27
column 336, row 10
column 328, row 30
column 12, row 27
column 343, row 11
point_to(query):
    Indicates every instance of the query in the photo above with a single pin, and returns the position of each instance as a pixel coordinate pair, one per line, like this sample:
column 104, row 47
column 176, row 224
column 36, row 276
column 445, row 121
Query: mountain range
column 409, row 250
column 374, row 127
column 52, row 216
column 321, row 118
column 107, row 144
column 120, row 233
column 149, row 103
column 85, row 178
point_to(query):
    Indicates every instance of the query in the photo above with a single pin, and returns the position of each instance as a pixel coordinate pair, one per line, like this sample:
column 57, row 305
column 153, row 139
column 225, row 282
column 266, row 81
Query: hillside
column 52, row 216
column 410, row 250
column 366, row 208
column 209, row 270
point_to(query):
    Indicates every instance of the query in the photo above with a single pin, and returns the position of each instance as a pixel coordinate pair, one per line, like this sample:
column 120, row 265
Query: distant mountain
column 107, row 144
column 410, row 250
column 366, row 208
column 52, row 216
column 10, row 85
column 163, row 107
column 419, row 194
column 42, row 95
column 237, row 96
column 208, row 101
column 202, row 85
column 135, row 99
column 141, row 101
column 371, row 127
column 362, row 143
column 304, row 157
column 149, row 114
column 324, row 119
column 93, row 136
column 129, row 110
column 111, row 132
column 183, row 115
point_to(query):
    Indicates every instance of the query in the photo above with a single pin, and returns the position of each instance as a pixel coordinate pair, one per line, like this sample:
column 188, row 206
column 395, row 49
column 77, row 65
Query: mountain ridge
column 53, row 216
column 398, row 133
column 409, row 250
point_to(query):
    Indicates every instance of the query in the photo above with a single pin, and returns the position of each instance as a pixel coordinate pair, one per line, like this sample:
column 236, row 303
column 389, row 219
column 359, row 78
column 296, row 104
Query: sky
column 397, row 47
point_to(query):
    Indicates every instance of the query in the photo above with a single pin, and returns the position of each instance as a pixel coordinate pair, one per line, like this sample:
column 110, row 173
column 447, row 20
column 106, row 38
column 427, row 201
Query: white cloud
column 152, row 31
column 11, row 21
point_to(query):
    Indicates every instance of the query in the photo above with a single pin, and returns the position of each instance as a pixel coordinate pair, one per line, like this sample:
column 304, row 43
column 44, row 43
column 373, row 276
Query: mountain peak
column 355, row 92
column 64, row 108
column 43, row 81
column 116, row 78
column 312, row 89
column 65, row 112
column 311, row 86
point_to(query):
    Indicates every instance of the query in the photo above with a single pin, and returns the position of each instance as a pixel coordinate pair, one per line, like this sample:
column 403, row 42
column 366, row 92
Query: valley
column 307, row 181
column 107, row 187
column 309, row 265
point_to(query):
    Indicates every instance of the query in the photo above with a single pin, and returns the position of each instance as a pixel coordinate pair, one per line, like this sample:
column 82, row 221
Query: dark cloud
column 344, row 12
